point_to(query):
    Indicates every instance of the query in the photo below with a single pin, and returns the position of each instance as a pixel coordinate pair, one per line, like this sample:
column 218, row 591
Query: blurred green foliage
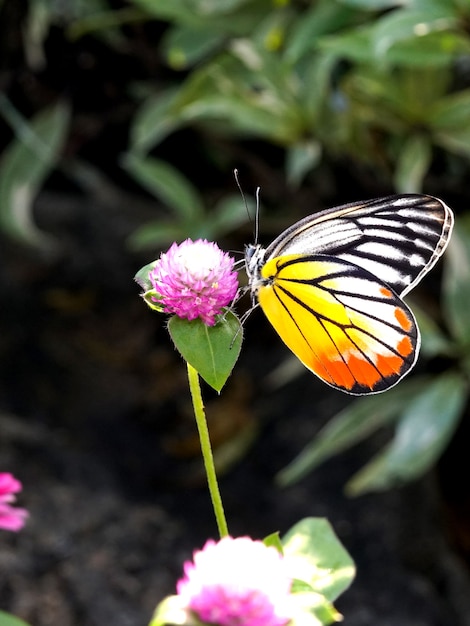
column 375, row 81
column 380, row 83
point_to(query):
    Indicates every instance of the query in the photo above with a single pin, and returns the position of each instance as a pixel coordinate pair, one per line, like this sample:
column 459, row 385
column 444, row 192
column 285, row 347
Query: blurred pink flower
column 11, row 518
column 237, row 582
column 194, row 279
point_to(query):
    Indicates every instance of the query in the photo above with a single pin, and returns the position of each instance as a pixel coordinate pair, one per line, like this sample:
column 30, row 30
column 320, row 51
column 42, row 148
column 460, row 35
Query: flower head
column 11, row 518
column 194, row 279
column 237, row 582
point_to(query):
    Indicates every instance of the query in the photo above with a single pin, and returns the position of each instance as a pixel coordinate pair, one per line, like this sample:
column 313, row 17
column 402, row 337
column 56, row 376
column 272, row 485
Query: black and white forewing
column 397, row 238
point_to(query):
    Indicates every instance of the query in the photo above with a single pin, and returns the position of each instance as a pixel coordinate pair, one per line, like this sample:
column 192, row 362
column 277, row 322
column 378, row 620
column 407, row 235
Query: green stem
column 206, row 449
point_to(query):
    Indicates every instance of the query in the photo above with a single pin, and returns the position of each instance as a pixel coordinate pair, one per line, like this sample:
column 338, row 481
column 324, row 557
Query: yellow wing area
column 344, row 324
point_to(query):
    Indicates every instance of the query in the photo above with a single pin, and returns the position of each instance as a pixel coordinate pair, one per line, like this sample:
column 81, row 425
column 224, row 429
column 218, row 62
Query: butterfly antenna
column 257, row 215
column 237, row 180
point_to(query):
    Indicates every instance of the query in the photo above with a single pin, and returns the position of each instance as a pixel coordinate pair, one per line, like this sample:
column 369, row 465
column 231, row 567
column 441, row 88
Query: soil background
column 95, row 417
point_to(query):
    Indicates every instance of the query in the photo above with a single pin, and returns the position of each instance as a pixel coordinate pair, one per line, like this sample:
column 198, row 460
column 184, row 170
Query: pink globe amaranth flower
column 194, row 279
column 237, row 582
column 11, row 518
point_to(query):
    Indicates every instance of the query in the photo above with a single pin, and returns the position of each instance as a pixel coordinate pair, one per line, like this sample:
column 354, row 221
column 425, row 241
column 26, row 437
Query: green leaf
column 413, row 164
column 436, row 49
column 301, row 158
column 142, row 276
column 185, row 46
column 228, row 214
column 211, row 350
column 456, row 141
column 360, row 419
column 373, row 5
column 154, row 121
column 166, row 183
column 424, row 430
column 24, row 166
column 274, row 540
column 398, row 26
column 318, row 558
column 321, row 18
column 456, row 279
column 354, row 44
column 313, row 609
column 171, row 611
column 433, row 340
column 451, row 112
column 157, row 233
column 6, row 619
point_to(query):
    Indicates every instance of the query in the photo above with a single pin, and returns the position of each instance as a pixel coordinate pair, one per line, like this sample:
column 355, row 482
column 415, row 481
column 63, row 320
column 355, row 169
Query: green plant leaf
column 318, row 558
column 413, row 164
column 321, row 18
column 313, row 609
column 456, row 279
column 142, row 276
column 436, row 49
column 228, row 214
column 211, row 350
column 354, row 44
column 301, row 158
column 400, row 25
column 157, row 234
column 6, row 619
column 451, row 112
column 24, row 166
column 274, row 540
column 433, row 340
column 356, row 422
column 171, row 611
column 372, row 5
column 166, row 183
column 185, row 46
column 154, row 121
column 423, row 432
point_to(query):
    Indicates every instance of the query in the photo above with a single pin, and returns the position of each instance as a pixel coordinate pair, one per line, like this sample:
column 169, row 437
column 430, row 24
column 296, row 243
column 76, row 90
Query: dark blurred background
column 121, row 124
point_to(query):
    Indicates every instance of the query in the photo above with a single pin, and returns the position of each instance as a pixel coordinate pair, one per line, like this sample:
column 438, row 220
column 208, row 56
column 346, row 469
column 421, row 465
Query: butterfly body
column 332, row 286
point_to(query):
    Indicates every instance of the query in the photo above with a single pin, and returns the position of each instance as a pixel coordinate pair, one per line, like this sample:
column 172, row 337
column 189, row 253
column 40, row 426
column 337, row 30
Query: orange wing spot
column 403, row 319
column 405, row 347
column 386, row 292
column 340, row 374
column 364, row 372
column 389, row 365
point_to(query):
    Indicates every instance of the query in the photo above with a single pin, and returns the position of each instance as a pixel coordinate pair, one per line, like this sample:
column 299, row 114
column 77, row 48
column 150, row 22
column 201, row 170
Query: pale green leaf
column 6, row 619
column 423, row 432
column 317, row 557
column 185, row 46
column 229, row 213
column 456, row 281
column 373, row 5
column 413, row 164
column 321, row 18
column 154, row 121
column 166, row 183
column 451, row 112
column 433, row 341
column 24, row 166
column 398, row 26
column 301, row 158
column 356, row 422
column 158, row 234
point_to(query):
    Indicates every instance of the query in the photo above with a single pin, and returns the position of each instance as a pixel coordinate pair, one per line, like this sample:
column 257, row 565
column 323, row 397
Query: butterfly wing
column 398, row 238
column 344, row 324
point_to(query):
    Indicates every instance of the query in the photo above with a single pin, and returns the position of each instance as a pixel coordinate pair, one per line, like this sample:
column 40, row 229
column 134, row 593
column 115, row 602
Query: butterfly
column 332, row 287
